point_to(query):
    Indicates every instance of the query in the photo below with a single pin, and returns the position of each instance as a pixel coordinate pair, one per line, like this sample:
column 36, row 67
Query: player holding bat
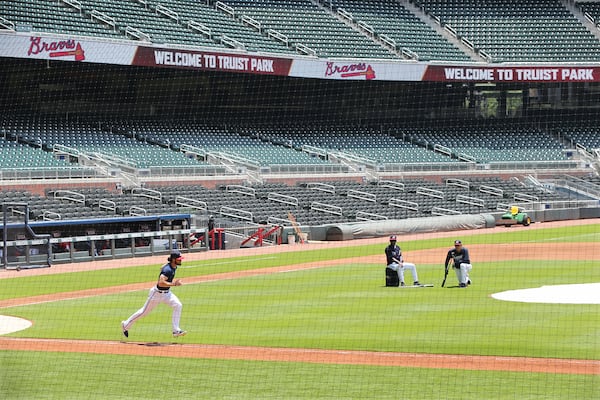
column 461, row 262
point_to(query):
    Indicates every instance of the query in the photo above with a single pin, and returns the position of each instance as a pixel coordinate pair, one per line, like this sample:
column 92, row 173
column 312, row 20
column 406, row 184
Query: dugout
column 89, row 239
column 80, row 227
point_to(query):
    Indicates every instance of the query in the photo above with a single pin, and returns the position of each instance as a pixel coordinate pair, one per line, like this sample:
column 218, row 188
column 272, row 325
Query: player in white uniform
column 396, row 262
column 161, row 293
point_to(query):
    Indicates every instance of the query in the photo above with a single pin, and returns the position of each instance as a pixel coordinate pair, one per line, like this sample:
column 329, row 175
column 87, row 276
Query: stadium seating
column 530, row 30
column 493, row 143
column 217, row 139
column 391, row 18
column 366, row 143
column 587, row 136
column 150, row 144
column 505, row 191
column 20, row 160
column 336, row 201
column 592, row 181
column 223, row 24
column 305, row 23
column 53, row 16
column 159, row 28
column 98, row 202
column 15, row 155
column 590, row 7
column 47, row 208
column 86, row 138
column 141, row 155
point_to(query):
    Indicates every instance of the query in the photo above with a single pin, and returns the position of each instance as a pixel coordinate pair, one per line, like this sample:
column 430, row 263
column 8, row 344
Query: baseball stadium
column 334, row 199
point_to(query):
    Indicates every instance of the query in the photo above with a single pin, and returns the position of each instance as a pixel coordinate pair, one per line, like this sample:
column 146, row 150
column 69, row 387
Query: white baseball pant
column 155, row 297
column 462, row 273
column 405, row 266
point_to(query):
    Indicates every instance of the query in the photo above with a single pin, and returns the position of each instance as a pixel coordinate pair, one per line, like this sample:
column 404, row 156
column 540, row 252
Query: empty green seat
column 529, row 30
column 305, row 23
column 391, row 18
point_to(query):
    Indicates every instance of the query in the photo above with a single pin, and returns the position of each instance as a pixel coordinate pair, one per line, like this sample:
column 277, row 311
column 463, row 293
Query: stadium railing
column 49, row 173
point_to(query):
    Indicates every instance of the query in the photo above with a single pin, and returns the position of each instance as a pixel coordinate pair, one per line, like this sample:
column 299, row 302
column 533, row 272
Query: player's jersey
column 459, row 258
column 392, row 252
column 169, row 272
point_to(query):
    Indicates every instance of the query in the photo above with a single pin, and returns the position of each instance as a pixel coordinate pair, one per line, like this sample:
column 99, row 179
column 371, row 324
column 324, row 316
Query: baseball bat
column 445, row 275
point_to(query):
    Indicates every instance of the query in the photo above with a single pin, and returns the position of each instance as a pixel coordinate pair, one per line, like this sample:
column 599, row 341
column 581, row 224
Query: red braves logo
column 350, row 70
column 62, row 48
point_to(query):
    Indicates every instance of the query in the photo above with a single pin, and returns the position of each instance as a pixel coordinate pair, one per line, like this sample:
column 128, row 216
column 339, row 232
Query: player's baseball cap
column 175, row 255
column 393, row 238
column 457, row 243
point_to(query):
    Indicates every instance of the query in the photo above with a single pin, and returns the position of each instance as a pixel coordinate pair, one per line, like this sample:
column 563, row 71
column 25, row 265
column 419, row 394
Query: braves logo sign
column 56, row 49
column 350, row 70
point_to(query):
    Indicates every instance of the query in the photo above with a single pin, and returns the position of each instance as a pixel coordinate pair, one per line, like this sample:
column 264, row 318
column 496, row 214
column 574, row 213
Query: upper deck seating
column 54, row 17
column 391, row 18
column 305, row 23
column 220, row 23
column 523, row 30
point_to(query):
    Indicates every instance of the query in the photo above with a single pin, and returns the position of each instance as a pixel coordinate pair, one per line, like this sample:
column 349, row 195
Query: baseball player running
column 395, row 261
column 459, row 256
column 161, row 293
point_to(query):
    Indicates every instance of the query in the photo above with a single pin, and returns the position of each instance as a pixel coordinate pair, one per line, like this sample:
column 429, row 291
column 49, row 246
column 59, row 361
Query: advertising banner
column 66, row 49
column 357, row 69
column 211, row 61
column 76, row 49
column 438, row 73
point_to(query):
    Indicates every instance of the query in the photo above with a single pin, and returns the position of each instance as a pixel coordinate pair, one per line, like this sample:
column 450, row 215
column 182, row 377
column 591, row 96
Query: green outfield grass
column 91, row 376
column 342, row 307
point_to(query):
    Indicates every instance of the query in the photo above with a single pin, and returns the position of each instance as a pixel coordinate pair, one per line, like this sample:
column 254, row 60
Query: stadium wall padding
column 361, row 230
column 561, row 214
column 558, row 214
column 593, row 212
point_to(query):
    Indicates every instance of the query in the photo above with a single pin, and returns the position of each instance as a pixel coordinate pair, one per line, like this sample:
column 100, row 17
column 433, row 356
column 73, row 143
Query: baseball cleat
column 469, row 282
column 464, row 285
column 179, row 333
column 125, row 331
column 401, row 283
column 417, row 283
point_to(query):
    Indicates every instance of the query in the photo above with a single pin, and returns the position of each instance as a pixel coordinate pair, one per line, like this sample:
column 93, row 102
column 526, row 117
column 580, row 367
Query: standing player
column 461, row 262
column 395, row 262
column 161, row 293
